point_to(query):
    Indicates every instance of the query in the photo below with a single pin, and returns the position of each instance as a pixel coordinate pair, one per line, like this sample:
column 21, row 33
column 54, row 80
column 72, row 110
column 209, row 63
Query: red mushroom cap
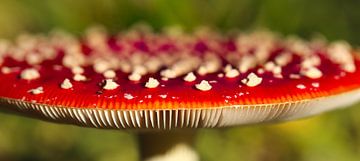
column 139, row 79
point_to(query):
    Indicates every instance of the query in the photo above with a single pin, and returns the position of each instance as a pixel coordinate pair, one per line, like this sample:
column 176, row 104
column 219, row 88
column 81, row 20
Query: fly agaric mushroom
column 171, row 80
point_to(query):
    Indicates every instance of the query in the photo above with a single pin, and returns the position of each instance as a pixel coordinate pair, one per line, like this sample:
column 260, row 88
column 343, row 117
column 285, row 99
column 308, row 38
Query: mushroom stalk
column 167, row 145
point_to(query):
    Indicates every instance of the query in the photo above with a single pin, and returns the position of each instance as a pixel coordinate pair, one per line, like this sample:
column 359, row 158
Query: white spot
column 349, row 67
column 37, row 90
column 311, row 61
column 294, row 76
column 277, row 70
column 77, row 70
column 101, row 66
column 269, row 66
column 110, row 84
column 232, row 73
column 340, row 53
column 124, row 66
column 139, row 69
column 79, row 77
column 29, row 74
column 109, row 74
column 247, row 62
column 153, row 64
column 315, row 84
column 190, row 77
column 128, row 96
column 66, row 84
column 152, row 83
column 33, row 58
column 213, row 81
column 210, row 64
column 6, row 70
column 272, row 67
column 148, row 96
column 220, row 75
column 179, row 64
column 227, row 68
column 278, row 76
column 283, row 59
column 203, row 86
column 312, row 72
column 300, row 86
column 260, row 71
column 134, row 77
column 73, row 59
column 163, row 95
column 202, row 70
column 252, row 80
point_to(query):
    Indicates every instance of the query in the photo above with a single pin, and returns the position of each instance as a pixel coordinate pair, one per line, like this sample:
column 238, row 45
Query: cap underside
column 181, row 117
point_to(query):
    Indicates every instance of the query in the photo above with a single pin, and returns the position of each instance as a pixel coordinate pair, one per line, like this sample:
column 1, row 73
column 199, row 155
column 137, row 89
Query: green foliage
column 332, row 18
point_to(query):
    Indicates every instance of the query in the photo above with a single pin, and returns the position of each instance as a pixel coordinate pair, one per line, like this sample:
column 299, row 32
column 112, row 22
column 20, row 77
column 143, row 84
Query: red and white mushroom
column 141, row 80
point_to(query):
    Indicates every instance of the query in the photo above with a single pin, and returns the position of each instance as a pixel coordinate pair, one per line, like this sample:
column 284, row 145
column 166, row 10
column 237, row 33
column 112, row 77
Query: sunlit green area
column 333, row 136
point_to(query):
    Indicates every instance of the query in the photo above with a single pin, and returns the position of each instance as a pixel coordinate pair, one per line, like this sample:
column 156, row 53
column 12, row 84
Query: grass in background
column 332, row 18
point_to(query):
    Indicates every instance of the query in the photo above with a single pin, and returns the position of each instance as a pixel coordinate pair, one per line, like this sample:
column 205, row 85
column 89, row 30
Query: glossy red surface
column 174, row 93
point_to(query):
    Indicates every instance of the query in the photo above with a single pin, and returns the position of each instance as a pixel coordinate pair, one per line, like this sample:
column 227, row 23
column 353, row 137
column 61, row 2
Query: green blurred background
column 334, row 136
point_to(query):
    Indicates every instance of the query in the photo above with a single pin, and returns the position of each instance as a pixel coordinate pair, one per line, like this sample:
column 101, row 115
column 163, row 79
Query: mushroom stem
column 167, row 145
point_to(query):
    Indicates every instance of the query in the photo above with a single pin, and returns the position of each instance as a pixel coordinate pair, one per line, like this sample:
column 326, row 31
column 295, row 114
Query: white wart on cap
column 29, row 74
column 66, row 84
column 110, row 84
column 203, row 86
column 152, row 83
column 252, row 80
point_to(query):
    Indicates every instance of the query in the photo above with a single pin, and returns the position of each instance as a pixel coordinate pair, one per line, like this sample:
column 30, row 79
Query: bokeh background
column 333, row 136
